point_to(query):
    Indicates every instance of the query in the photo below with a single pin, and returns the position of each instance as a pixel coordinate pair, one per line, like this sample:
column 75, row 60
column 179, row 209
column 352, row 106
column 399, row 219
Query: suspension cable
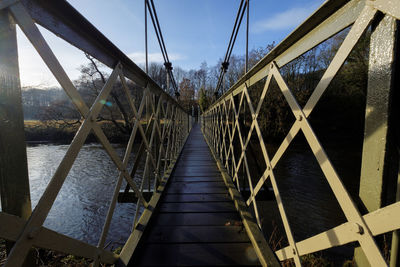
column 247, row 36
column 232, row 40
column 167, row 64
column 145, row 37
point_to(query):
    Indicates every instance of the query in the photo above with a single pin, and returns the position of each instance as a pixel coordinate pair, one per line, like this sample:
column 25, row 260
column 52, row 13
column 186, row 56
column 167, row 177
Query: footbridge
column 198, row 198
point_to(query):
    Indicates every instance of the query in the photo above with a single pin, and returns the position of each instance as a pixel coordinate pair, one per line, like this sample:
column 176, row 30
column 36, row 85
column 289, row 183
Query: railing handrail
column 168, row 127
column 326, row 10
column 224, row 132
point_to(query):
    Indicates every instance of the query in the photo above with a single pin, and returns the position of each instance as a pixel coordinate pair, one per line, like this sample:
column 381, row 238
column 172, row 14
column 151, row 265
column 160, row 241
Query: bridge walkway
column 196, row 222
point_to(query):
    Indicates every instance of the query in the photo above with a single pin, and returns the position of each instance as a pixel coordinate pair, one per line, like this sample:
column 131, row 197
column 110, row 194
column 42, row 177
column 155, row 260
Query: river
column 81, row 206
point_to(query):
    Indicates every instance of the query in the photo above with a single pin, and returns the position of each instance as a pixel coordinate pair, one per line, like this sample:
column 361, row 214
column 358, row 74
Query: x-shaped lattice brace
column 364, row 235
column 225, row 129
column 38, row 216
column 155, row 128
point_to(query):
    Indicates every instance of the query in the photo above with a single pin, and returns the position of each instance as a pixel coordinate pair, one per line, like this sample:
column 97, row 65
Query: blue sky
column 194, row 31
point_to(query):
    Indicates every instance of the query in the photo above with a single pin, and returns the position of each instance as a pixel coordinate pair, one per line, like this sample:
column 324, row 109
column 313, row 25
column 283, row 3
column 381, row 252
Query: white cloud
column 139, row 57
column 287, row 19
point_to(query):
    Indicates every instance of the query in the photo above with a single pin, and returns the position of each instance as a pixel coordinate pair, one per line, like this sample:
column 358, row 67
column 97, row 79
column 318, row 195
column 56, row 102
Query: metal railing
column 221, row 122
column 167, row 128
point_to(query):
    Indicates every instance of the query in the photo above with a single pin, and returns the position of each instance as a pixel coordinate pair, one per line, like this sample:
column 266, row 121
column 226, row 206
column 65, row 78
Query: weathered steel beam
column 380, row 221
column 14, row 180
column 46, row 238
column 379, row 164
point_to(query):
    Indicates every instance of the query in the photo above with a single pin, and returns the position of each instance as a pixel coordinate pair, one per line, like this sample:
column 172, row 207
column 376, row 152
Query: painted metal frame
column 220, row 129
column 168, row 125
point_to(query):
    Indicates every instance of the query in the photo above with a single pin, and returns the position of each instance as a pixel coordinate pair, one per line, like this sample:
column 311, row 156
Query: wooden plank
column 197, row 207
column 189, row 185
column 193, row 160
column 197, row 223
column 196, row 179
column 193, row 170
column 196, row 198
column 265, row 254
column 196, row 173
column 196, row 154
column 197, row 234
column 188, row 218
column 188, row 189
column 198, row 164
column 133, row 240
column 197, row 255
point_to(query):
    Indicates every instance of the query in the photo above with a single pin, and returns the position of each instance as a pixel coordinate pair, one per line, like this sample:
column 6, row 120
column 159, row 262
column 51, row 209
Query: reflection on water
column 81, row 206
column 310, row 204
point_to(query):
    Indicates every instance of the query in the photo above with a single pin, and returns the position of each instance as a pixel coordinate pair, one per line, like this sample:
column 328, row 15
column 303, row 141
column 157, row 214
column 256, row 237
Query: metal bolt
column 32, row 234
column 300, row 117
column 358, row 229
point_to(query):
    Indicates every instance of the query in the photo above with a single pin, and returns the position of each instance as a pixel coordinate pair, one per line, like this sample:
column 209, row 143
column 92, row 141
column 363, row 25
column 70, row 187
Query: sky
column 194, row 32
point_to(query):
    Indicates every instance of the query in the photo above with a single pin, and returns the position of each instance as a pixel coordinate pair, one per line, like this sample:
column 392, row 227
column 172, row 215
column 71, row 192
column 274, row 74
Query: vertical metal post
column 377, row 177
column 145, row 37
column 167, row 89
column 14, row 180
column 189, row 120
column 192, row 114
column 247, row 36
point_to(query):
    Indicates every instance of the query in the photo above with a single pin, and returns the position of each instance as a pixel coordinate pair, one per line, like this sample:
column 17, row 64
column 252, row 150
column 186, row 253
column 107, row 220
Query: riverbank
column 61, row 132
column 44, row 258
column 47, row 258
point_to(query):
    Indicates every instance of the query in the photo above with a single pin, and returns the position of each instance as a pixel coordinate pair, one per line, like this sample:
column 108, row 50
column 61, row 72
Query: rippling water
column 82, row 204
column 310, row 204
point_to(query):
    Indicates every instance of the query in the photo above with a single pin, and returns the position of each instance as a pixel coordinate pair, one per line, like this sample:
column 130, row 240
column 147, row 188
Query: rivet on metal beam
column 358, row 229
column 32, row 234
column 300, row 117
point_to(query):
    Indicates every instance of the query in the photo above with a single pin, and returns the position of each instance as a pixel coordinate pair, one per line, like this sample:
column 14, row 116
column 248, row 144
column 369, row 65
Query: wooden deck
column 196, row 222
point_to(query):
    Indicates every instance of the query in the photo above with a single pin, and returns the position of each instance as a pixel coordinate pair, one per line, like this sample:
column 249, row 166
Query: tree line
column 197, row 87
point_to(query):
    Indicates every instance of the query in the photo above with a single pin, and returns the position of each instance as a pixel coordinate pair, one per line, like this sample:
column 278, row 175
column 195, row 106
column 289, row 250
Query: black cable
column 234, row 27
column 145, row 37
column 159, row 28
column 167, row 64
column 247, row 36
column 235, row 31
column 160, row 38
column 225, row 63
column 155, row 29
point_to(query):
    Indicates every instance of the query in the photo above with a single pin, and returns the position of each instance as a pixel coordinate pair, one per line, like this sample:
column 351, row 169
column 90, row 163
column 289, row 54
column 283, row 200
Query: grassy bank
column 60, row 132
column 47, row 258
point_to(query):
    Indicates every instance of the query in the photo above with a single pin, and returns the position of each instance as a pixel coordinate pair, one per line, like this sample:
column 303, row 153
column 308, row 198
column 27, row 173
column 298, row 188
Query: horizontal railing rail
column 162, row 136
column 223, row 128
